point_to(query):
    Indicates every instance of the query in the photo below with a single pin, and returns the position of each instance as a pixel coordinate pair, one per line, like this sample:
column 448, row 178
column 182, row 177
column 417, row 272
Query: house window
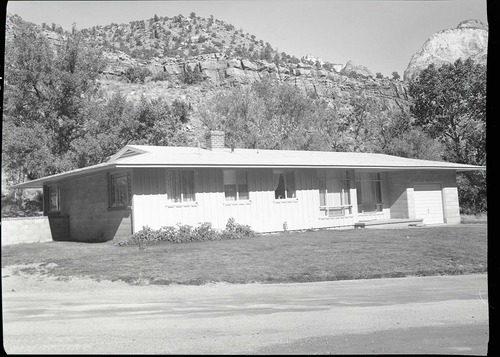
column 235, row 185
column 52, row 199
column 369, row 192
column 334, row 195
column 120, row 190
column 284, row 184
column 180, row 186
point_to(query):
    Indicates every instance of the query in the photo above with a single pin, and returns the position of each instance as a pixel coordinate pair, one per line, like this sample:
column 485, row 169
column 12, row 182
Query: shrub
column 160, row 76
column 192, row 76
column 137, row 74
column 21, row 207
column 185, row 233
column 205, row 232
column 236, row 231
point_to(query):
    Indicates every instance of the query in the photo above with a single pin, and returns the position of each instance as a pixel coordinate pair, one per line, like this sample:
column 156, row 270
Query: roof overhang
column 261, row 166
column 38, row 183
column 112, row 164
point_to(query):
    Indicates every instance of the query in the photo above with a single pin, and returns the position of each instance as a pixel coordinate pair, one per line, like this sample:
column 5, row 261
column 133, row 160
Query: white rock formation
column 469, row 39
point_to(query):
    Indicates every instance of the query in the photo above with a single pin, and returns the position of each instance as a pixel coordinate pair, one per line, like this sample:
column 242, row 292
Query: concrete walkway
column 445, row 314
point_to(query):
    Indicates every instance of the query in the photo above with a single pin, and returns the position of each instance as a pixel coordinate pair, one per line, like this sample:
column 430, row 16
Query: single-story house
column 270, row 190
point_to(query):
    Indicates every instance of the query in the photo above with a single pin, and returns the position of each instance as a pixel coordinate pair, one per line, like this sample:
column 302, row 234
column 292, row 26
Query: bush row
column 185, row 233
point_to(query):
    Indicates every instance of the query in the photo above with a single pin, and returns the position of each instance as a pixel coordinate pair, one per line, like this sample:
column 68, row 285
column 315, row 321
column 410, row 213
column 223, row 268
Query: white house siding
column 266, row 214
column 262, row 212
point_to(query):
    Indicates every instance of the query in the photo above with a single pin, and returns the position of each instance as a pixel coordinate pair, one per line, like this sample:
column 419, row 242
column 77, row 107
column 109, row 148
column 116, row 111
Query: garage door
column 429, row 203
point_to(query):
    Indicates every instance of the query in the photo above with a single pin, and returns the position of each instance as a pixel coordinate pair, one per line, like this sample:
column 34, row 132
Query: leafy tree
column 268, row 114
column 44, row 92
column 450, row 105
column 395, row 75
column 118, row 122
column 267, row 53
column 379, row 75
column 54, row 117
column 415, row 144
column 395, row 135
column 357, row 121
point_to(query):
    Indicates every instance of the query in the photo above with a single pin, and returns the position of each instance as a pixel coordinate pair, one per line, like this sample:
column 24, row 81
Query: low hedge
column 185, row 233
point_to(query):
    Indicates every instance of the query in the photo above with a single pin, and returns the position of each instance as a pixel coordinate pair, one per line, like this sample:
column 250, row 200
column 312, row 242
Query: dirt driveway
column 405, row 315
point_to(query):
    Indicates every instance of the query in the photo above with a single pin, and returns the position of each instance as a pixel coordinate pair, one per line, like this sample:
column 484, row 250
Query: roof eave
column 371, row 167
column 39, row 183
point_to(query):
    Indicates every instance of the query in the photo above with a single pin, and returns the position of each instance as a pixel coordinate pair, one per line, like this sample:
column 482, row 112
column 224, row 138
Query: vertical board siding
column 262, row 212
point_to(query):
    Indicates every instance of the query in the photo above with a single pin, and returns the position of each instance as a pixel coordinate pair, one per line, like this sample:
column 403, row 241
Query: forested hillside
column 74, row 98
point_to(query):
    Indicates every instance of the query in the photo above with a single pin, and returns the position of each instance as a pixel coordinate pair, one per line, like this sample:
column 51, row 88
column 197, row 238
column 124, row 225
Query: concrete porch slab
column 400, row 222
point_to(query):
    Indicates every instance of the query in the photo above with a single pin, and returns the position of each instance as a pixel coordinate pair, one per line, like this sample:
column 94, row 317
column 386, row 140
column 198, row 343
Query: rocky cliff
column 221, row 71
column 468, row 39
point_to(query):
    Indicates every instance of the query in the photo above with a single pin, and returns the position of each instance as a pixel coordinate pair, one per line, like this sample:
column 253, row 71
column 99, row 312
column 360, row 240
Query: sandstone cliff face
column 469, row 39
column 220, row 71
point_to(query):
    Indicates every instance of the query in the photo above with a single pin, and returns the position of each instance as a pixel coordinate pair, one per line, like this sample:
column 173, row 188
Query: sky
column 382, row 35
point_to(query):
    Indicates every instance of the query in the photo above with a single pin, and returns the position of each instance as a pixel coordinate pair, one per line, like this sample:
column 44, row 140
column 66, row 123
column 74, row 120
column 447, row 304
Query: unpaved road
column 444, row 315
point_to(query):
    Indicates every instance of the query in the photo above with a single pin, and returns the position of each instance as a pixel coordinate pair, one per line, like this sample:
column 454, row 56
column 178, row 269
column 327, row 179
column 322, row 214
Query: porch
column 393, row 222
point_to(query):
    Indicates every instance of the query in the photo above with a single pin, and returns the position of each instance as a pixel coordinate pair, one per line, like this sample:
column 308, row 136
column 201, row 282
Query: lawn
column 273, row 258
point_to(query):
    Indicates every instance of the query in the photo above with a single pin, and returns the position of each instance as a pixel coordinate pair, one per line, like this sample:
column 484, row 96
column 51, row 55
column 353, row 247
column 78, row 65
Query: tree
column 267, row 114
column 118, row 122
column 192, row 76
column 44, row 92
column 450, row 105
column 357, row 122
column 415, row 144
column 395, row 75
column 379, row 75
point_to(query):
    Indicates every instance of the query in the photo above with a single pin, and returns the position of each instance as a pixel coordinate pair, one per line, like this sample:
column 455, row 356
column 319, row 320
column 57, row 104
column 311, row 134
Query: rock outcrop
column 468, row 40
column 220, row 71
column 354, row 70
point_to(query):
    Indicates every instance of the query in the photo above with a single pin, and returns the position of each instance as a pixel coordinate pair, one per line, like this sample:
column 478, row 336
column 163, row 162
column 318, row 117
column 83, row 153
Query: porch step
column 400, row 221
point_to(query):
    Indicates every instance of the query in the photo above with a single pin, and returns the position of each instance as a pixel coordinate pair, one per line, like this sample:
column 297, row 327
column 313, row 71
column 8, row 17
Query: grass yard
column 274, row 258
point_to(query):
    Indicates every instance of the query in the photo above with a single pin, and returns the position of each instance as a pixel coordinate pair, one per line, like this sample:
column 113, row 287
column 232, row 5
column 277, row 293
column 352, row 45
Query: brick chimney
column 215, row 140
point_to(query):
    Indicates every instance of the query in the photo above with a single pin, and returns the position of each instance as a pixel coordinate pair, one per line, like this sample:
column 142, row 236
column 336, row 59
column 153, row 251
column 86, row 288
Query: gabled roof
column 127, row 151
column 135, row 156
